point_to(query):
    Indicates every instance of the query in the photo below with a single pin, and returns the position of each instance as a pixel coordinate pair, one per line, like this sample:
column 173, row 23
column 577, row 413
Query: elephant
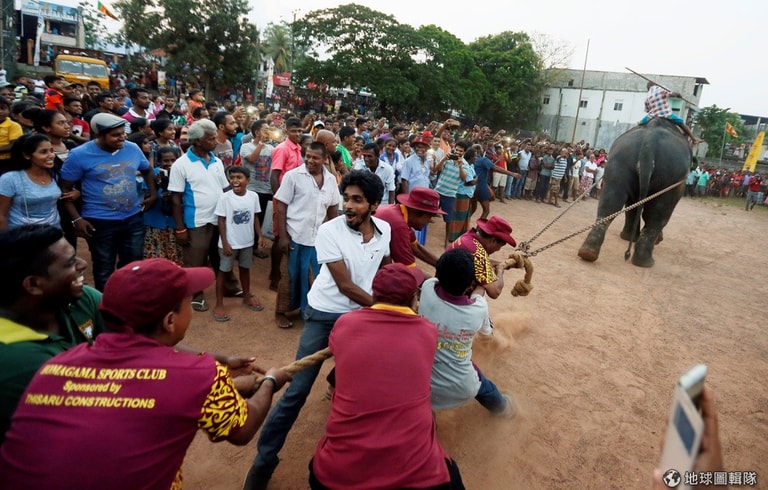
column 644, row 160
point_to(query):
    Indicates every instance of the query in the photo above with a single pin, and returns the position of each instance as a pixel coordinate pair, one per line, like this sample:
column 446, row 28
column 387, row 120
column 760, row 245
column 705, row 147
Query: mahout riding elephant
column 643, row 161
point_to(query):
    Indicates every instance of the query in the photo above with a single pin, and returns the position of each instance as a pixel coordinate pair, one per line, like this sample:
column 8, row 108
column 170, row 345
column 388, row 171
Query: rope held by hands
column 300, row 364
column 519, row 260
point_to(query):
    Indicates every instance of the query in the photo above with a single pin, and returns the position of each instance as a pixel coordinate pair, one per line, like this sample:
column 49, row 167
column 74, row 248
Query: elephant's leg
column 611, row 200
column 656, row 215
column 590, row 249
column 629, row 222
column 643, row 256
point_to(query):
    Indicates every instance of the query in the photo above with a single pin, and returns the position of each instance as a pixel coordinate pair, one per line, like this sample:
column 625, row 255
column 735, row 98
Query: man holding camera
column 452, row 172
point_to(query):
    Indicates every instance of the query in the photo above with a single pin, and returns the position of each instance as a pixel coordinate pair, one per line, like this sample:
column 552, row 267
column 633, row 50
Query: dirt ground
column 592, row 355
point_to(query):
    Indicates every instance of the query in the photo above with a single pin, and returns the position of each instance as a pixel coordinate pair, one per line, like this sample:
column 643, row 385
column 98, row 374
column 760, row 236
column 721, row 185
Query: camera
column 453, row 156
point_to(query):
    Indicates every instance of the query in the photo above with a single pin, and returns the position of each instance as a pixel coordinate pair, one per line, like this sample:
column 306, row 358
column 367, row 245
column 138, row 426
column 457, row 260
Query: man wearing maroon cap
column 483, row 240
column 414, row 212
column 131, row 401
column 380, row 431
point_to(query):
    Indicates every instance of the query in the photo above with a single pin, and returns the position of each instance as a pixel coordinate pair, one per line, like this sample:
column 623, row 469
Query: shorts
column 673, row 117
column 243, row 256
column 554, row 185
column 499, row 180
column 447, row 204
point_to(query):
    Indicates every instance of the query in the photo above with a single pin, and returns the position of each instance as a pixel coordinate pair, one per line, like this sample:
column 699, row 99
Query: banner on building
column 751, row 162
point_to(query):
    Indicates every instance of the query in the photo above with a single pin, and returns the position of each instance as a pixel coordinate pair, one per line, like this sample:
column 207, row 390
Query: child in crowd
column 160, row 239
column 239, row 227
column 10, row 131
column 143, row 142
column 54, row 98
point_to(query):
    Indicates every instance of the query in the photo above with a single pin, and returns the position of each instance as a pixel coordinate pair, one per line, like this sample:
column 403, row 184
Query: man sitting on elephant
column 656, row 105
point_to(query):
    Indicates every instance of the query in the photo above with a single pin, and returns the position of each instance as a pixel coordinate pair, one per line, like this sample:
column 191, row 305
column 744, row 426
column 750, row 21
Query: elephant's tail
column 646, row 161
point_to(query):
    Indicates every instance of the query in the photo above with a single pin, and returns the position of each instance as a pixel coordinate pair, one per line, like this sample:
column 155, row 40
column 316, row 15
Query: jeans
column 115, row 240
column 301, row 260
column 488, row 395
column 314, row 337
column 421, row 235
column 519, row 184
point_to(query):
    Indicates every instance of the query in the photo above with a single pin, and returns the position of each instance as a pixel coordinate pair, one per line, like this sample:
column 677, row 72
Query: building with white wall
column 607, row 104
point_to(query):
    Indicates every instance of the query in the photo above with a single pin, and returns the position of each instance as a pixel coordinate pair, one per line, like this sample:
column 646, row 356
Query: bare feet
column 282, row 321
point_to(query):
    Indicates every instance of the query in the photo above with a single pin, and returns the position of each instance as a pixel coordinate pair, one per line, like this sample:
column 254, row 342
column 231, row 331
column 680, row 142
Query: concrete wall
column 611, row 104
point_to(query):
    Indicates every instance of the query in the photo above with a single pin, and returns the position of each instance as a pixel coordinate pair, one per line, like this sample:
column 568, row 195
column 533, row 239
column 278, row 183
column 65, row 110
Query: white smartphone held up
column 686, row 426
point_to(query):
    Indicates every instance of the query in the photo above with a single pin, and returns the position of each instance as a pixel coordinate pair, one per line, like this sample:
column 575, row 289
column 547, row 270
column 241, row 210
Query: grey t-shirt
column 454, row 379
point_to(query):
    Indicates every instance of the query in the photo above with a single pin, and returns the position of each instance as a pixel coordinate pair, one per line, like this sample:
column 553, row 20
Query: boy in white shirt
column 238, row 229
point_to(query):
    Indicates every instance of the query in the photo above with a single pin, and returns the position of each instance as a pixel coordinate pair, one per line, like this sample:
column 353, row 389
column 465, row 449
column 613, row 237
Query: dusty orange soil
column 591, row 354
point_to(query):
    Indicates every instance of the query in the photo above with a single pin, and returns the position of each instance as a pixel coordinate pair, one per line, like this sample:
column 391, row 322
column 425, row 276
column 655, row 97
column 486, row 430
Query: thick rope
column 300, row 364
column 518, row 260
column 524, row 246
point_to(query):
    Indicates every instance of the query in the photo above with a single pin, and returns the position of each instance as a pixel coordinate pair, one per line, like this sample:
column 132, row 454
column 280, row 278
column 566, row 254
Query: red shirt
column 118, row 414
column 485, row 273
column 755, row 183
column 53, row 99
column 286, row 156
column 403, row 235
column 380, row 431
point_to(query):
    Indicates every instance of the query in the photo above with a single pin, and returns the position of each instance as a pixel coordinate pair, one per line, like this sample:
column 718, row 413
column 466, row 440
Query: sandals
column 221, row 318
column 247, row 303
column 200, row 305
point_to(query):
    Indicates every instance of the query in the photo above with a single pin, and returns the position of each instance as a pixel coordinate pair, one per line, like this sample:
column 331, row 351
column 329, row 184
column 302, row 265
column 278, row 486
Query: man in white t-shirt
column 307, row 198
column 197, row 180
column 350, row 249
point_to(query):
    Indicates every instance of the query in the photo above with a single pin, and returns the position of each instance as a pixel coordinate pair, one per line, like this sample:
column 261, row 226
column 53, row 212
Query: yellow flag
column 751, row 162
column 729, row 129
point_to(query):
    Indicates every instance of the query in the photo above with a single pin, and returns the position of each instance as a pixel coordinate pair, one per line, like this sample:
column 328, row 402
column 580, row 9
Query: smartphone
column 686, row 425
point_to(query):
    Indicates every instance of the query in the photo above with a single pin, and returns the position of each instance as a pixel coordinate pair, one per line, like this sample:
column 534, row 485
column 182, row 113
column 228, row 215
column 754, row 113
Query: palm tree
column 277, row 45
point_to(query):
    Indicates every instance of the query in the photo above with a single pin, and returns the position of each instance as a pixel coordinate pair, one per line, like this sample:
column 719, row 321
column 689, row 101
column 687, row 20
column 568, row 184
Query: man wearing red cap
column 131, row 401
column 413, row 213
column 380, row 431
column 483, row 240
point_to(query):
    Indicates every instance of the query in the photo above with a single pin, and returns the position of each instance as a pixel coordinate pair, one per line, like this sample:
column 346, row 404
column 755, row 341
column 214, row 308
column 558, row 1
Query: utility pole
column 293, row 39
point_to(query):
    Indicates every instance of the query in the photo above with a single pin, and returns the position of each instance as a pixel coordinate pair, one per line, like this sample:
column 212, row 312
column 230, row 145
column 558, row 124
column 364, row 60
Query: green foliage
column 278, row 45
column 512, row 69
column 207, row 42
column 710, row 121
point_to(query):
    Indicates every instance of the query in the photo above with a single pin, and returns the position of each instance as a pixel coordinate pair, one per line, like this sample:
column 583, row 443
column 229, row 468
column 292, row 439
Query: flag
column 757, row 147
column 104, row 10
column 729, row 129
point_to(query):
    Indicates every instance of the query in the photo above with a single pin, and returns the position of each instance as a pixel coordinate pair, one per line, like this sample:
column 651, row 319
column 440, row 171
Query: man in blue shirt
column 111, row 219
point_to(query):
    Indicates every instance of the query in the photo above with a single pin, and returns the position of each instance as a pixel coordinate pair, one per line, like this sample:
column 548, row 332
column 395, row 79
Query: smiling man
column 44, row 307
column 350, row 249
column 111, row 220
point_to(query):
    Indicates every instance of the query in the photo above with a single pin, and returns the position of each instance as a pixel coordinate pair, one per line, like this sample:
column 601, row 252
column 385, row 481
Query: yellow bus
column 81, row 69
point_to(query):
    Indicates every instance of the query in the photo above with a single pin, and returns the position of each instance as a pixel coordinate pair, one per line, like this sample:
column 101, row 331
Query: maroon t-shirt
column 402, row 235
column 118, row 414
column 380, row 431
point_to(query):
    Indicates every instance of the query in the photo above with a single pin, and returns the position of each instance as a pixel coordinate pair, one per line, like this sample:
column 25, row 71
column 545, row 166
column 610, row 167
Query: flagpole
column 722, row 149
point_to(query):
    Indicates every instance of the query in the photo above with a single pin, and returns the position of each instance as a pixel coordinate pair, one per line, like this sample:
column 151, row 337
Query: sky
column 719, row 41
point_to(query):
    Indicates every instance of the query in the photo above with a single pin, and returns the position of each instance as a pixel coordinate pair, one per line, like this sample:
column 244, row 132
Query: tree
column 711, row 123
column 512, row 69
column 448, row 77
column 278, row 46
column 207, row 41
column 354, row 46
